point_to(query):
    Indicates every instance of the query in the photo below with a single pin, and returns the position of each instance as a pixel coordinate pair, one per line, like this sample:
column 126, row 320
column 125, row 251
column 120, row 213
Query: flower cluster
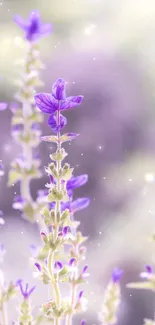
column 111, row 302
column 60, row 265
column 27, row 118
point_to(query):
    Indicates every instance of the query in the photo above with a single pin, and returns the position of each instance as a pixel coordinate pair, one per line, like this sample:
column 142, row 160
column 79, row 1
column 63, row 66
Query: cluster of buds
column 111, row 302
column 27, row 118
column 59, row 265
column 25, row 312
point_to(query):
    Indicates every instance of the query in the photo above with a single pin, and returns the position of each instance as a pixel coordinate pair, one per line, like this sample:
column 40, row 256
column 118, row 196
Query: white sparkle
column 149, row 177
column 130, row 179
column 81, row 154
column 89, row 30
column 2, row 222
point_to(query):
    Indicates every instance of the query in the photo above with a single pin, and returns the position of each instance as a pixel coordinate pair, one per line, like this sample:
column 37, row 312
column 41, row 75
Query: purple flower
column 34, row 250
column 83, row 322
column 16, row 128
column 2, row 252
column 72, row 260
column 33, row 27
column 14, row 107
column 3, row 106
column 18, row 202
column 78, row 181
column 148, row 274
column 56, row 101
column 73, row 206
column 38, row 266
column 116, row 275
column 50, row 103
column 58, row 265
column 148, row 269
column 79, row 204
column 25, row 292
column 52, row 121
column 65, row 230
column 80, row 294
column 1, row 169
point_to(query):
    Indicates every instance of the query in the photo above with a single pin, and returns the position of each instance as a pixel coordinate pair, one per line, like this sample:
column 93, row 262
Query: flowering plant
column 26, row 118
column 61, row 260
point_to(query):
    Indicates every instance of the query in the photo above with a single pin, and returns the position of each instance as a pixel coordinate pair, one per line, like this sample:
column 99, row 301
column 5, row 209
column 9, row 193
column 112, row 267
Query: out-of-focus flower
column 111, row 301
column 2, row 252
column 18, row 202
column 33, row 27
column 3, row 106
column 1, row 169
column 116, row 275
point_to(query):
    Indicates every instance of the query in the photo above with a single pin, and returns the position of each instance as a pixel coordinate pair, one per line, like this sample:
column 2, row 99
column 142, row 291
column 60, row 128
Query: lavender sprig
column 6, row 291
column 27, row 118
column 25, row 316
column 59, row 216
column 111, row 302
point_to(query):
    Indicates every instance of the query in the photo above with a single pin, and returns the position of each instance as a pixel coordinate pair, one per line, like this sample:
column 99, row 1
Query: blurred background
column 105, row 50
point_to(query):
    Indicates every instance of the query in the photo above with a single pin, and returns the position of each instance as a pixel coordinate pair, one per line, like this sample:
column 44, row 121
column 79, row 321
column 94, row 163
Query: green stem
column 54, row 281
column 3, row 307
column 4, row 314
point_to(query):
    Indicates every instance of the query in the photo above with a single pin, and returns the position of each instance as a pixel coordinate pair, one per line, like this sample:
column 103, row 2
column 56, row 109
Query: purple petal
column 52, row 121
column 85, row 269
column 58, row 264
column 71, row 102
column 72, row 260
column 34, row 16
column 45, row 29
column 30, row 291
column 75, row 182
column 149, row 269
column 65, row 205
column 38, row 266
column 83, row 322
column 80, row 294
column 2, row 249
column 3, row 106
column 58, row 89
column 79, row 204
column 52, row 180
column 21, row 23
column 65, row 230
column 52, row 205
column 42, row 193
column 34, row 250
column 46, row 103
column 116, row 275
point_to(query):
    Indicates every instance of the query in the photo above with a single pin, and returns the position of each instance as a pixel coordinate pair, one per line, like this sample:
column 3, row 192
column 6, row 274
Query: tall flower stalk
column 111, row 301
column 26, row 118
column 61, row 264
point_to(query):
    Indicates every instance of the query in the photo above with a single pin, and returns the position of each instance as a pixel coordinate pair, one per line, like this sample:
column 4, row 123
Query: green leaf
column 14, row 177
column 68, row 137
column 50, row 138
